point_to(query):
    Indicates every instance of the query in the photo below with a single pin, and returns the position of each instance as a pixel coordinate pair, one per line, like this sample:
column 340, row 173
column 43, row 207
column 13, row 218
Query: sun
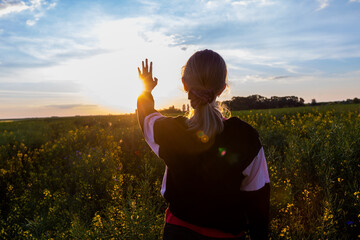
column 109, row 78
column 117, row 85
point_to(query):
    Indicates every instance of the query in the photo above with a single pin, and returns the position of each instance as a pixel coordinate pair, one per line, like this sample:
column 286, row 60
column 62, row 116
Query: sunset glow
column 79, row 58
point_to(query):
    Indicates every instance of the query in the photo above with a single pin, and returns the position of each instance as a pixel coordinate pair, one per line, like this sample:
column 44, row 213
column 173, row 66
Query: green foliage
column 95, row 177
column 87, row 171
column 314, row 165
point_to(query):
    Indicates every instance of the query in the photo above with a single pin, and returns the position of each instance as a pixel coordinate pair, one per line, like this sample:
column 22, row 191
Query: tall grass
column 95, row 177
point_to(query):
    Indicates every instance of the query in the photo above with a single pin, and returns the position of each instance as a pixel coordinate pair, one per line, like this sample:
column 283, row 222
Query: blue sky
column 60, row 57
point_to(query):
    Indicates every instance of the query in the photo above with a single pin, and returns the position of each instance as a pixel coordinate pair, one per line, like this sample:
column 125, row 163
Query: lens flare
column 222, row 152
column 202, row 136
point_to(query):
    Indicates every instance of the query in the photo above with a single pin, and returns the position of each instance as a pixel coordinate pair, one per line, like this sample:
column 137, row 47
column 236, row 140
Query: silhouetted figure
column 216, row 179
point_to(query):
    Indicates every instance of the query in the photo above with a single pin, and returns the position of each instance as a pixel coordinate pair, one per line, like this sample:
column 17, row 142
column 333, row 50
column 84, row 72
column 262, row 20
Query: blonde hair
column 204, row 76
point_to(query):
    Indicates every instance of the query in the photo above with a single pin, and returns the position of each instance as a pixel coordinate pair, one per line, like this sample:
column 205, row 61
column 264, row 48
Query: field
column 95, row 177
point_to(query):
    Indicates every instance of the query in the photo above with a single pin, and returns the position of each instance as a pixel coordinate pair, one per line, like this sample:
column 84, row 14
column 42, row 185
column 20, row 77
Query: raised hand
column 146, row 76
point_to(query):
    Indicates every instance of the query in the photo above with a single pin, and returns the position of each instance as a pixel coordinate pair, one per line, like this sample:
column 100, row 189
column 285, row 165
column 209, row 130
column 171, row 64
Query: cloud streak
column 36, row 7
column 25, row 52
column 48, row 87
column 323, row 4
column 264, row 35
column 257, row 78
column 8, row 7
column 72, row 106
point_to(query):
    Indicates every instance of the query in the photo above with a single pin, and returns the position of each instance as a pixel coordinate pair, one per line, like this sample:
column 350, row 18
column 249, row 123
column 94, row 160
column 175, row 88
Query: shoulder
column 174, row 138
column 167, row 128
column 238, row 127
column 241, row 138
column 178, row 122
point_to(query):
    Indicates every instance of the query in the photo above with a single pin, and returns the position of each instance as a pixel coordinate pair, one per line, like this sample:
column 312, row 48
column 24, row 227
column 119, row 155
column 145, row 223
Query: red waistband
column 209, row 232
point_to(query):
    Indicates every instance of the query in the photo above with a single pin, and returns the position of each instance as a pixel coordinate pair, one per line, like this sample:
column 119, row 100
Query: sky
column 65, row 58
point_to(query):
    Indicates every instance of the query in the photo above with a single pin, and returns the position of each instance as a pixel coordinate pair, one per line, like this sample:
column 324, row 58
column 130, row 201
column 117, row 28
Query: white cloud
column 151, row 5
column 243, row 10
column 323, row 4
column 40, row 87
column 51, row 5
column 31, row 22
column 217, row 3
column 249, row 2
column 36, row 7
column 50, row 50
column 7, row 7
column 274, row 59
column 259, row 78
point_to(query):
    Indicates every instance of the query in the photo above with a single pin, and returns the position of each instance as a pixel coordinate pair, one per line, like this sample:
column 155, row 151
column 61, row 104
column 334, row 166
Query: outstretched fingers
column 145, row 66
column 145, row 75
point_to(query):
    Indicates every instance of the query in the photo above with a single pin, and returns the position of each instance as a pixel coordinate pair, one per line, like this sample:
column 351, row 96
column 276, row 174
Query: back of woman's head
column 204, row 77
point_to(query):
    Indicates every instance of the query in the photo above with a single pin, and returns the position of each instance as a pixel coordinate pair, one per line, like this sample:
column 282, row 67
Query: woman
column 216, row 179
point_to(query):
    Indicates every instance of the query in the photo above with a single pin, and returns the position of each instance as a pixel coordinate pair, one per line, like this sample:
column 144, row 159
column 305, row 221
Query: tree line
column 260, row 102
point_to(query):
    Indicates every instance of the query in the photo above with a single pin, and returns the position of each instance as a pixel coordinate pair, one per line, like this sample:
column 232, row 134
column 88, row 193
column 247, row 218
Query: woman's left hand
column 146, row 76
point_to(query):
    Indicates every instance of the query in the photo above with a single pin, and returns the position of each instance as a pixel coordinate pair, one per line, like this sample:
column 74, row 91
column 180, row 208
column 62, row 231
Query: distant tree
column 183, row 108
column 313, row 102
column 259, row 102
column 187, row 107
column 356, row 100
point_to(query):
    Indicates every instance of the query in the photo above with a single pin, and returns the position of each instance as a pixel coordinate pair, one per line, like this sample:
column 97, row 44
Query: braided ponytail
column 204, row 77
